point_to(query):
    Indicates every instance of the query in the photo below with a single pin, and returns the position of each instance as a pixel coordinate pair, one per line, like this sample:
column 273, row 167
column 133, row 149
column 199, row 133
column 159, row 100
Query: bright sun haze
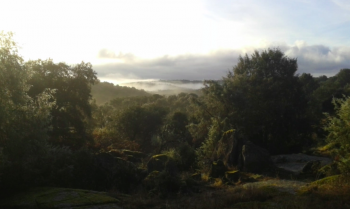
column 197, row 39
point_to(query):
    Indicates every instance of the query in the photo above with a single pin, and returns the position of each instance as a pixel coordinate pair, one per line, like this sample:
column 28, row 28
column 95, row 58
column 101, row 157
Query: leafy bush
column 212, row 148
column 339, row 132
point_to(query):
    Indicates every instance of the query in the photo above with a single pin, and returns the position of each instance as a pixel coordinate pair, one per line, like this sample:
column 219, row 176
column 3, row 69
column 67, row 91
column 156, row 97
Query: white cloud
column 314, row 59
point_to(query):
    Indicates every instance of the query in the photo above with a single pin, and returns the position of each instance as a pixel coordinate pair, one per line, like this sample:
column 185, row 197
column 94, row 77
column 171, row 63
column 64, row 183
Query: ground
column 61, row 198
column 266, row 193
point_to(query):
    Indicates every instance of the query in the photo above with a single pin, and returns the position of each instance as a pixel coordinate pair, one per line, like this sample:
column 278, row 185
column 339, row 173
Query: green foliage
column 339, row 132
column 184, row 156
column 188, row 156
column 72, row 85
column 173, row 154
column 153, row 122
column 173, row 132
column 208, row 151
column 335, row 86
column 139, row 123
column 23, row 120
column 263, row 97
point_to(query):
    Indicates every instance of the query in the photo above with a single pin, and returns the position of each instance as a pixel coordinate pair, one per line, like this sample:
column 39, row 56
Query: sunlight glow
column 73, row 31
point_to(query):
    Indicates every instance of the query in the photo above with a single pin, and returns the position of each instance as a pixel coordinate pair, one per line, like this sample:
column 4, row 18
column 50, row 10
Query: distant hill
column 168, row 87
column 104, row 92
column 176, row 91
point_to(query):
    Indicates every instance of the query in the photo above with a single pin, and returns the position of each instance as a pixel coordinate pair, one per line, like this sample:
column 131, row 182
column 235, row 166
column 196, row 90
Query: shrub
column 339, row 132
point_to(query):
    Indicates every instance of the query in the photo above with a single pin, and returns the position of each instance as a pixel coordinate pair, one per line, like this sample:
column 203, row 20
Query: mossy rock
column 133, row 159
column 116, row 153
column 162, row 162
column 162, row 157
column 60, row 198
column 232, row 176
column 135, row 154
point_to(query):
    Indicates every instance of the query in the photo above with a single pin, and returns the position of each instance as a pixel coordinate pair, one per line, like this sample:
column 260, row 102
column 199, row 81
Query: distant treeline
column 103, row 92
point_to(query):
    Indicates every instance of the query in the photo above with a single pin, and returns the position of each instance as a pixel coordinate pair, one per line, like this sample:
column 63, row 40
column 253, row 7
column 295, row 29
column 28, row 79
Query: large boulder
column 235, row 156
column 300, row 163
column 255, row 158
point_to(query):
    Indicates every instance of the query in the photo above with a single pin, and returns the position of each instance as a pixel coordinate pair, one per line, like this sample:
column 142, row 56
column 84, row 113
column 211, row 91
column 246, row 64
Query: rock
column 235, row 156
column 162, row 162
column 61, row 198
column 115, row 153
column 232, row 176
column 218, row 169
column 296, row 163
column 280, row 159
column 135, row 154
column 133, row 159
column 255, row 158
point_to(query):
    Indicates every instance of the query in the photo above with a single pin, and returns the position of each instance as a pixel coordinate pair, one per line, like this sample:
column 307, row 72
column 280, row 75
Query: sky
column 132, row 40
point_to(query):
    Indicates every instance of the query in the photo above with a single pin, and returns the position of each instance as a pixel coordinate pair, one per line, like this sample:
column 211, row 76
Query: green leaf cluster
column 338, row 128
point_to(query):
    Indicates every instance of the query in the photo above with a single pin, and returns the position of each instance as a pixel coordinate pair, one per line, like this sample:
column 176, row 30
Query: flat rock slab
column 61, row 198
column 296, row 162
